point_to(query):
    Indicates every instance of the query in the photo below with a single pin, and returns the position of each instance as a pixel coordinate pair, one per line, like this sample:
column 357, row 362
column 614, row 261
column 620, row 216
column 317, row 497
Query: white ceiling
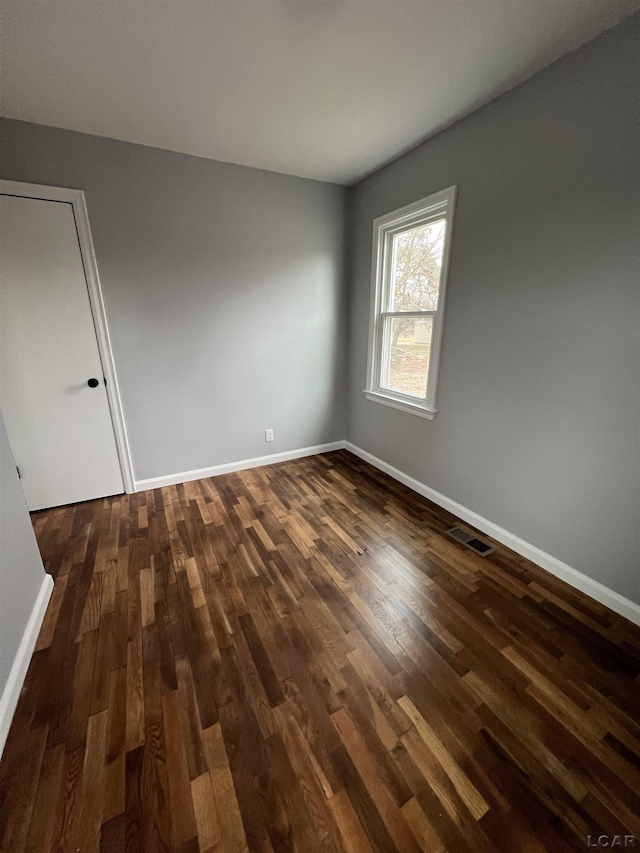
column 327, row 89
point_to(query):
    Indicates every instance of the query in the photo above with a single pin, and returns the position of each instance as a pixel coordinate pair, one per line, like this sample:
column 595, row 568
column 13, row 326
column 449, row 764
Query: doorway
column 60, row 398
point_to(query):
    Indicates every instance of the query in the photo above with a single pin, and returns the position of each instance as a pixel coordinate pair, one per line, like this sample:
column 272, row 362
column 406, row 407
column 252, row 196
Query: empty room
column 320, row 434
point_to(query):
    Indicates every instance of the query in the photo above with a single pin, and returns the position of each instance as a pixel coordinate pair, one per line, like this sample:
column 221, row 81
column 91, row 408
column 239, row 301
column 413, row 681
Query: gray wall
column 224, row 290
column 21, row 569
column 538, row 426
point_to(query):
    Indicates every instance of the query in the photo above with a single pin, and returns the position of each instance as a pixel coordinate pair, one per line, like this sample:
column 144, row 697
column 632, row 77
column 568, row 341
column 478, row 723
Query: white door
column 59, row 426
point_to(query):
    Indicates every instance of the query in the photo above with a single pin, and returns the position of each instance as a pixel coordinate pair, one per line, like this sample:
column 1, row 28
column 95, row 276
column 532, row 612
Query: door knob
column 93, row 383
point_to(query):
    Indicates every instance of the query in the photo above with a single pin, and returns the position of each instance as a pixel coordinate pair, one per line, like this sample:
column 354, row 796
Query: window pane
column 406, row 355
column 416, row 265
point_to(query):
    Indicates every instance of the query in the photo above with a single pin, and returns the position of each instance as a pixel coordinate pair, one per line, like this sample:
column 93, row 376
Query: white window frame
column 440, row 205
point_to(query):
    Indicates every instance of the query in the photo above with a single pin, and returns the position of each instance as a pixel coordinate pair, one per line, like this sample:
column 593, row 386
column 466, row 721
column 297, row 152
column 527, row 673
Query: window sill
column 410, row 408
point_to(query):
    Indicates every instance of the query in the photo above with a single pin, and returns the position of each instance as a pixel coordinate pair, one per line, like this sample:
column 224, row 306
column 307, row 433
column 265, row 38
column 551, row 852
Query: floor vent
column 468, row 539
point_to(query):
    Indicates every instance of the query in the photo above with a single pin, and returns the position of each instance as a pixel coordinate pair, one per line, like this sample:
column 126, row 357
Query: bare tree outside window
column 417, row 262
column 416, row 267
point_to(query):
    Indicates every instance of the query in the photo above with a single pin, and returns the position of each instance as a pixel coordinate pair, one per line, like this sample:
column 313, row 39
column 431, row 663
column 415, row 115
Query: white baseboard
column 12, row 688
column 616, row 602
column 229, row 467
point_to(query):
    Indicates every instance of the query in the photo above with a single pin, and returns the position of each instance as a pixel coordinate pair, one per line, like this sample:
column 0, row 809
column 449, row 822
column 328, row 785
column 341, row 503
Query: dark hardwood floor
column 296, row 658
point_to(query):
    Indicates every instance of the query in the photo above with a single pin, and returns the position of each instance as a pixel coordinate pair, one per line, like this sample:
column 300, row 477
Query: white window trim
column 384, row 228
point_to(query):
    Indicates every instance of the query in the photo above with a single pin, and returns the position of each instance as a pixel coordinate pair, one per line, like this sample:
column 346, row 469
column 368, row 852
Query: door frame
column 79, row 207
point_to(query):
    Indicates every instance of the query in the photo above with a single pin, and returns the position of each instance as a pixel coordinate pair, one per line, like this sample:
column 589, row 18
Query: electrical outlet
column 268, row 435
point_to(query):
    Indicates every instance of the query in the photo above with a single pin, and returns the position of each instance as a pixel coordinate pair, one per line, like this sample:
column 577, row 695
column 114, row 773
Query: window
column 410, row 259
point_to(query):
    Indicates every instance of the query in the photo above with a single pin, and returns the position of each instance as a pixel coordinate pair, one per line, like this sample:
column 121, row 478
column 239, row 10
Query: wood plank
column 233, row 839
column 183, row 825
